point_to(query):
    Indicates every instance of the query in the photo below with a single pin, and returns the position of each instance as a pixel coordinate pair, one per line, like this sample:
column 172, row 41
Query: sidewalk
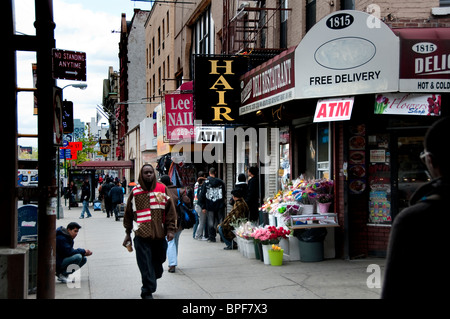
column 205, row 270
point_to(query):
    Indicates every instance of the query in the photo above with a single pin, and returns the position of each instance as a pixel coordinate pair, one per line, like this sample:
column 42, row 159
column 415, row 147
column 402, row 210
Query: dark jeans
column 71, row 264
column 214, row 219
column 150, row 255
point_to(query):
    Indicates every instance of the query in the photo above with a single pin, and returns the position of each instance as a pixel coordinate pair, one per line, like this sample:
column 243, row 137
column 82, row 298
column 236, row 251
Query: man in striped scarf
column 151, row 213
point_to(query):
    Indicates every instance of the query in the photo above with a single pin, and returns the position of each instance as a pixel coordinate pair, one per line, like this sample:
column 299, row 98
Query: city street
column 205, row 271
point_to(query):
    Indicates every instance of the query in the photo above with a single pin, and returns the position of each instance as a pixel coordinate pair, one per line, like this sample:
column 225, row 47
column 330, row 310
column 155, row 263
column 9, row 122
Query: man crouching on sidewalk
column 66, row 255
column 151, row 213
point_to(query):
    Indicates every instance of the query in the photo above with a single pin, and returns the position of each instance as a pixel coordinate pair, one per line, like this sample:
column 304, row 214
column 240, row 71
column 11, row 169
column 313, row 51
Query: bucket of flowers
column 276, row 234
column 276, row 255
column 324, row 202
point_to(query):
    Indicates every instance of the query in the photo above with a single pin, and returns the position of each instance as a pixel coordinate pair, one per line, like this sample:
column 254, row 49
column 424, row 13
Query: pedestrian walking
column 116, row 195
column 172, row 245
column 71, row 194
column 66, row 255
column 107, row 186
column 253, row 199
column 240, row 210
column 151, row 213
column 212, row 202
column 200, row 230
column 415, row 264
column 85, row 197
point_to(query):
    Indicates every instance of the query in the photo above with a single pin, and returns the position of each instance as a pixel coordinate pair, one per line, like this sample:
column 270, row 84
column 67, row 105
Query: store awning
column 269, row 84
column 425, row 59
column 105, row 165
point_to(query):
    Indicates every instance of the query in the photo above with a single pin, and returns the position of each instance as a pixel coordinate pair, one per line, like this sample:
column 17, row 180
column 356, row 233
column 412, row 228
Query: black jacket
column 252, row 198
column 416, row 264
column 116, row 195
column 212, row 195
column 85, row 193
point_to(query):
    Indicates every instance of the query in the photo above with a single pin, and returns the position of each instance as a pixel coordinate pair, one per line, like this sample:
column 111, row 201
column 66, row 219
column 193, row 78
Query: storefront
column 358, row 104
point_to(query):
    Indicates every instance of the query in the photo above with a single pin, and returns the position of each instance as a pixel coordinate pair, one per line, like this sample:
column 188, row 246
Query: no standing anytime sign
column 69, row 65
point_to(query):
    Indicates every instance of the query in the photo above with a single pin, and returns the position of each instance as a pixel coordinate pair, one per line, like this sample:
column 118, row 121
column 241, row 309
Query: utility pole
column 47, row 151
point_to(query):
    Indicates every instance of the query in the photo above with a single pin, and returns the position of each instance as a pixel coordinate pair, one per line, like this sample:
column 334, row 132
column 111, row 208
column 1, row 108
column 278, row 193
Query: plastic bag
column 311, row 235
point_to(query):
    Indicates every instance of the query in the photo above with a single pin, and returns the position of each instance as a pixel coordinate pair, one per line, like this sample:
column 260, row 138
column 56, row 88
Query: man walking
column 212, row 201
column 116, row 195
column 151, row 213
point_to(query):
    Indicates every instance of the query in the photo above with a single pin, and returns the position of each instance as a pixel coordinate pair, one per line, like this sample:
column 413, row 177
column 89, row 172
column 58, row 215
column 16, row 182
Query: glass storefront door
column 410, row 172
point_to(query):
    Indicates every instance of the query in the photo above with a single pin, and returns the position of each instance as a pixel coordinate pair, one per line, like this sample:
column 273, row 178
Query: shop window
column 323, row 150
column 284, row 172
column 312, row 157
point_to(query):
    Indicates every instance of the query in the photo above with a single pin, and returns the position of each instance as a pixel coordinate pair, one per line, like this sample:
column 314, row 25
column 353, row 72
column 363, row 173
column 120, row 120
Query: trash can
column 311, row 252
column 311, row 243
column 27, row 233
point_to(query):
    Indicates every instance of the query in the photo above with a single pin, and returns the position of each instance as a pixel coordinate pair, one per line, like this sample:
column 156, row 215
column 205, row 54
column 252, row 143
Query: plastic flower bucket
column 276, row 257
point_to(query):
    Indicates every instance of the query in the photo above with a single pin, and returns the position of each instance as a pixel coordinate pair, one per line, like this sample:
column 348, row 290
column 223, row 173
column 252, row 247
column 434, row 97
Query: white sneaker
column 64, row 279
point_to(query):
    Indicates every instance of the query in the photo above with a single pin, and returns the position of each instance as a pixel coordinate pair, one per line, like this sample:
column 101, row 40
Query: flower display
column 261, row 235
column 301, row 191
column 243, row 228
column 324, row 198
column 276, row 247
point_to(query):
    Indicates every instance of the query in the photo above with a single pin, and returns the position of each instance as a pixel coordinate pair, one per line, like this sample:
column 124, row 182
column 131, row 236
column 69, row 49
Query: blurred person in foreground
column 415, row 265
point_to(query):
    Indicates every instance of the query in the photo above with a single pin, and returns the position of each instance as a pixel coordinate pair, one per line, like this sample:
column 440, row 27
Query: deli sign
column 425, row 63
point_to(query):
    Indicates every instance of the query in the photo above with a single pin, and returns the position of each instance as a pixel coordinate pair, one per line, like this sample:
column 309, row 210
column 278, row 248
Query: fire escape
column 251, row 28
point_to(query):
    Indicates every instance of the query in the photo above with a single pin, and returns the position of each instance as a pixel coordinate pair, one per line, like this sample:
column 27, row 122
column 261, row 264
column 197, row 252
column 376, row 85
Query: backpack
column 187, row 217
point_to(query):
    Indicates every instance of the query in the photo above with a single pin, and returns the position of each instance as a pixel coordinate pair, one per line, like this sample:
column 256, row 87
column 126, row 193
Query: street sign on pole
column 69, row 65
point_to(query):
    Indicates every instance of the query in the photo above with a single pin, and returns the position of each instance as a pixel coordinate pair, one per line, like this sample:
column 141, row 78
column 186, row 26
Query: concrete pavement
column 205, row 270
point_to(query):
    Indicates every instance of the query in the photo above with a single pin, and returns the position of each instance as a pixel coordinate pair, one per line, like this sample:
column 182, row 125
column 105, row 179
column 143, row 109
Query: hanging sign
column 346, row 53
column 179, row 117
column 334, row 110
column 69, row 65
column 269, row 84
column 210, row 135
column 217, row 88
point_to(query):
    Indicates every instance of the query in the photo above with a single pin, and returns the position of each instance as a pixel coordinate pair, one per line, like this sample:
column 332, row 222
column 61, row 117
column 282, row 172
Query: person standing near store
column 172, row 246
column 212, row 202
column 85, row 196
column 415, row 266
column 252, row 198
column 107, row 186
column 116, row 195
column 200, row 230
column 151, row 213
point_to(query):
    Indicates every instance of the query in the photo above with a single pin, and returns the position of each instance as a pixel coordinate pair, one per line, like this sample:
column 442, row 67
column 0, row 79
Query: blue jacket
column 64, row 246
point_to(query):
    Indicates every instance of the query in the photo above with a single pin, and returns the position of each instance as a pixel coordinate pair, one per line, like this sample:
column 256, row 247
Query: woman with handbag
column 172, row 246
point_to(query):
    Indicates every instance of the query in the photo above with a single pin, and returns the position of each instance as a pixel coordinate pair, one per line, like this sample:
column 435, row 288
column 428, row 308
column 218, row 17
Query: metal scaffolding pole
column 47, row 151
